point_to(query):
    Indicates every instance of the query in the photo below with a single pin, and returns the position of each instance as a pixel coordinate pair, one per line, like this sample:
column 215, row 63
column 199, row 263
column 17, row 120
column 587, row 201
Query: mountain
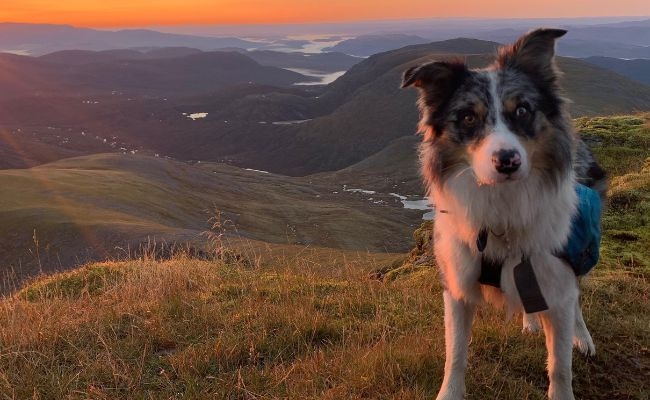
column 220, row 106
column 320, row 62
column 632, row 33
column 637, row 69
column 393, row 169
column 80, row 57
column 39, row 39
column 369, row 111
column 367, row 45
column 623, row 39
column 124, row 71
column 317, row 62
column 588, row 48
column 374, row 66
column 327, row 62
column 619, row 40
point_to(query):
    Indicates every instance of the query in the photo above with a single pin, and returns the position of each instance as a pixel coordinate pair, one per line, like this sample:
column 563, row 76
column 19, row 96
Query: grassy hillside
column 305, row 322
column 99, row 206
column 393, row 169
column 310, row 325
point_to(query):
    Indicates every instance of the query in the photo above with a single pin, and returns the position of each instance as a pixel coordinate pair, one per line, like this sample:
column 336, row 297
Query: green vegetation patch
column 90, row 280
column 626, row 223
column 621, row 143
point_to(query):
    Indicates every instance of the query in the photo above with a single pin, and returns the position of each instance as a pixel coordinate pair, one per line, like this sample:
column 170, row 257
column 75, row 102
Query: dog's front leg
column 558, row 326
column 458, row 325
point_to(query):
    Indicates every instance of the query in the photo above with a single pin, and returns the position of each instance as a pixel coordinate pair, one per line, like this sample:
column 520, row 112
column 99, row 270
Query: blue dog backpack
column 583, row 248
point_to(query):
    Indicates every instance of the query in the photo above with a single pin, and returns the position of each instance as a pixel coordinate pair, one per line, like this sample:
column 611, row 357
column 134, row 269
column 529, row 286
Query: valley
column 107, row 206
column 104, row 151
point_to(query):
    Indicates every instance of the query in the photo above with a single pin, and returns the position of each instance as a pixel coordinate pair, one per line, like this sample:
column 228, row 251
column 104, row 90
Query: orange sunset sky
column 116, row 13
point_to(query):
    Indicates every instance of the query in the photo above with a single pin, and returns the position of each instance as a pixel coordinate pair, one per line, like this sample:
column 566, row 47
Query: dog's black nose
column 506, row 161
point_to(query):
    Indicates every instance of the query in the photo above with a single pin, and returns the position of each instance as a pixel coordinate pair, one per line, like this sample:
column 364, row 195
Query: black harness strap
column 528, row 288
column 525, row 280
column 490, row 272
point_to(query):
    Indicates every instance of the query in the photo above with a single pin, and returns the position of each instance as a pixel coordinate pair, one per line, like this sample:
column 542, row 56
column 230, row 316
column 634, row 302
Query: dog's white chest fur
column 526, row 216
column 523, row 218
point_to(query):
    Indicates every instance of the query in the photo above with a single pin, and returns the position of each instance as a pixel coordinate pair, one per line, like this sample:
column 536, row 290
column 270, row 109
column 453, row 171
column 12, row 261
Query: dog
column 501, row 162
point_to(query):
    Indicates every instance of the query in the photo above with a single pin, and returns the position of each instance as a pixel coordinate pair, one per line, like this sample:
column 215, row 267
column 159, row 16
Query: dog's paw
column 584, row 344
column 530, row 324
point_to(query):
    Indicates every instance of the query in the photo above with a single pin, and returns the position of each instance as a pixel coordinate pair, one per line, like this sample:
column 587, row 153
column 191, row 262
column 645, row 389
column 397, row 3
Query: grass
column 302, row 326
column 622, row 145
column 314, row 323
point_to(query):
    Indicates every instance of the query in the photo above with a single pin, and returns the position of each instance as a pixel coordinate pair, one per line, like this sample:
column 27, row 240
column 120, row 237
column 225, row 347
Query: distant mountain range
column 131, row 72
column 621, row 40
column 367, row 45
column 323, row 62
column 42, row 39
column 319, row 62
column 225, row 106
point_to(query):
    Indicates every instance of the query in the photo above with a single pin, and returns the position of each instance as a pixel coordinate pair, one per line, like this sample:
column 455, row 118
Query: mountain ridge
column 39, row 39
column 323, row 128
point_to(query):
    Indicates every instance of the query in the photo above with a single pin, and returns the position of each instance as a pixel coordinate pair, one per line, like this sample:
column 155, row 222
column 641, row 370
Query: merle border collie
column 501, row 161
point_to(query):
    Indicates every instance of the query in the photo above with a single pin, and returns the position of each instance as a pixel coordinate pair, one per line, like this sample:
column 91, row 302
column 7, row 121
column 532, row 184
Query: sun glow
column 119, row 13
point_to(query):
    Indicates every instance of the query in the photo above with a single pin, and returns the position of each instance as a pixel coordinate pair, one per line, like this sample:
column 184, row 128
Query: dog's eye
column 522, row 112
column 468, row 118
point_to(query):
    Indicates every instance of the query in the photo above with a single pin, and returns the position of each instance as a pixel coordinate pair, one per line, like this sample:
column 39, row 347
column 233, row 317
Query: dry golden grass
column 311, row 325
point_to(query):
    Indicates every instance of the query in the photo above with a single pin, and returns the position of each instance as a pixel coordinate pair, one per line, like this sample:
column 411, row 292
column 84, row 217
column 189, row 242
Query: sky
column 129, row 13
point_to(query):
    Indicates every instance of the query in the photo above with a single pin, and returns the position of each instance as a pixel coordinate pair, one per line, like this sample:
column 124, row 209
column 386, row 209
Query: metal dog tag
column 528, row 288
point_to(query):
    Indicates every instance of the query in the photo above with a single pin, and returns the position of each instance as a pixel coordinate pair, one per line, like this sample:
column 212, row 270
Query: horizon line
column 628, row 18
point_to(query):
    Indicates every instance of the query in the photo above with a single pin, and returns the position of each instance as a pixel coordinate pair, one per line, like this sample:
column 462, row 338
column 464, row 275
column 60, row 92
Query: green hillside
column 393, row 169
column 106, row 205
column 297, row 321
column 636, row 69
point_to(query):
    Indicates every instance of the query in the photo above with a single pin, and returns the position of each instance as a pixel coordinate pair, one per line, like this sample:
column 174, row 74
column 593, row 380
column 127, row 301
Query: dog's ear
column 436, row 80
column 533, row 54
